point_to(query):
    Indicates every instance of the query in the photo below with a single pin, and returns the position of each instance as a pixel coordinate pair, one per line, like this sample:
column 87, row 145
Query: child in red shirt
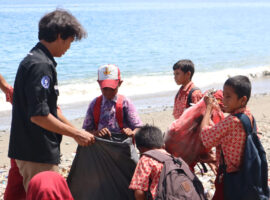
column 183, row 72
column 147, row 138
column 228, row 133
column 146, row 178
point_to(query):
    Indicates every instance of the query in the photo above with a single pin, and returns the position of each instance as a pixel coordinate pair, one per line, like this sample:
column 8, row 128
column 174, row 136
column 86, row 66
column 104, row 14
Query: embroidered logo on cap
column 45, row 82
column 107, row 72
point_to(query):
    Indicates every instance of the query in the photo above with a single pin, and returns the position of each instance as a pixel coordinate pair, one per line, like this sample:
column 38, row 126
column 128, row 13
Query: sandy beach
column 258, row 104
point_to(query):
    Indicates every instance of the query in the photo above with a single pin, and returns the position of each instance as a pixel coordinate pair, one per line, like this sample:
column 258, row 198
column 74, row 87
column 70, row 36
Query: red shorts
column 14, row 189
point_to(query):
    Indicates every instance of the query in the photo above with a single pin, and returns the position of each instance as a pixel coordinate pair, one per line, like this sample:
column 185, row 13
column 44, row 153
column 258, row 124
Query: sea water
column 145, row 39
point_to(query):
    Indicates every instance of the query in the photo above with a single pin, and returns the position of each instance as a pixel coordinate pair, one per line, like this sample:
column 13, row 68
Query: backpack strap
column 189, row 98
column 157, row 155
column 176, row 96
column 118, row 111
column 97, row 108
column 162, row 157
column 248, row 129
column 247, row 123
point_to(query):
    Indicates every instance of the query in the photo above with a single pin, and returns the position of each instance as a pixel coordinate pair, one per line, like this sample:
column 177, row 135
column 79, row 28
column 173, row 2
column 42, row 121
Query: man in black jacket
column 37, row 124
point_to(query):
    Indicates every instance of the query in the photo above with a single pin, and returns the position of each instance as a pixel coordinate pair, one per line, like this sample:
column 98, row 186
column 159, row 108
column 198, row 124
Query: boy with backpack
column 188, row 93
column 111, row 115
column 243, row 167
column 157, row 168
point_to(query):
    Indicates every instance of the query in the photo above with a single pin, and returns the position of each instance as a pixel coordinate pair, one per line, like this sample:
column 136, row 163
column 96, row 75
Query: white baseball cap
column 108, row 76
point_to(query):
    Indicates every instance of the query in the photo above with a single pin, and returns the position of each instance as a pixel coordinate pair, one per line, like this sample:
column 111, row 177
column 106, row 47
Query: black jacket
column 35, row 94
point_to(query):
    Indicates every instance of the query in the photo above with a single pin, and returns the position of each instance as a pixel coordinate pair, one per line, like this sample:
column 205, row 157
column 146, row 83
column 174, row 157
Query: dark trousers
column 219, row 184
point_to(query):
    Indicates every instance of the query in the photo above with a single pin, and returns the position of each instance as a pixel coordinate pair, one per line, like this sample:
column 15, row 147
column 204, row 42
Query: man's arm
column 51, row 123
column 62, row 118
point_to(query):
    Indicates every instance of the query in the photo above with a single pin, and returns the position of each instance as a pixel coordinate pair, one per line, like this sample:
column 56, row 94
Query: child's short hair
column 240, row 84
column 149, row 137
column 185, row 66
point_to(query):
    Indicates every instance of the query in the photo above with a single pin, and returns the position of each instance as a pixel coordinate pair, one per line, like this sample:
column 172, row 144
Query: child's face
column 231, row 100
column 180, row 77
column 109, row 93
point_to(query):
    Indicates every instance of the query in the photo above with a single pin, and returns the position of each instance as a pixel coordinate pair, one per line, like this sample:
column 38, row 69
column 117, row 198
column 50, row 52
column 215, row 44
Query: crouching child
column 158, row 174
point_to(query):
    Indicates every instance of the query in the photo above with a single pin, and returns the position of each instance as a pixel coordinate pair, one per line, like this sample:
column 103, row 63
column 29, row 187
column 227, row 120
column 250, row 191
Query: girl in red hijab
column 48, row 185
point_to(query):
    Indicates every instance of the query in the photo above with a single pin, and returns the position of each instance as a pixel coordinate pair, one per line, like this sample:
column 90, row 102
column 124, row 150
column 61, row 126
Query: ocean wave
column 136, row 85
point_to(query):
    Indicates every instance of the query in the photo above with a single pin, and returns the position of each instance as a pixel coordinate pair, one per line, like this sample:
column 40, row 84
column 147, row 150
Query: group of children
column 229, row 133
column 112, row 115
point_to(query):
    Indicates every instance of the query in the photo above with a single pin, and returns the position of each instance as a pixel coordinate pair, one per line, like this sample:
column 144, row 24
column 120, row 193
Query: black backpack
column 189, row 97
column 251, row 182
column 176, row 180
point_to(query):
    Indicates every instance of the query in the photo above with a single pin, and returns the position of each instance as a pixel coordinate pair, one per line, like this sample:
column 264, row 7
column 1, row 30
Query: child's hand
column 209, row 101
column 213, row 167
column 128, row 131
column 103, row 132
column 210, row 159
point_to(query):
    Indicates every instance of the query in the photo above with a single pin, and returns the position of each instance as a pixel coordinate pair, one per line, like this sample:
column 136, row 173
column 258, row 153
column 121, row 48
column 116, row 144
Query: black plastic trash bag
column 103, row 170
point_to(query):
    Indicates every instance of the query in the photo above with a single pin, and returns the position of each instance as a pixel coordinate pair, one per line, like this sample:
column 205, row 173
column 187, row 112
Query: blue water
column 145, row 39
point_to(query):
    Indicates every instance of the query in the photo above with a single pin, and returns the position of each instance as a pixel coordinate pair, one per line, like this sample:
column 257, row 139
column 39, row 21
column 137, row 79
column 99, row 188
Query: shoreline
column 143, row 102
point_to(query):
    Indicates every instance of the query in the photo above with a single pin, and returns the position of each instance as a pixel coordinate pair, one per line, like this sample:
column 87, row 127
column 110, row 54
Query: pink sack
column 183, row 138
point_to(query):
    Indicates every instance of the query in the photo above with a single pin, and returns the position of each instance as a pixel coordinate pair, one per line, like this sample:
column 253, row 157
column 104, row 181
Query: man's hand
column 128, row 132
column 84, row 138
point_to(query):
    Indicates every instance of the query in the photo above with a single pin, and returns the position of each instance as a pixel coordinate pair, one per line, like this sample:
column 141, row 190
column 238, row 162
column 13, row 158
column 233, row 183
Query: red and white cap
column 108, row 76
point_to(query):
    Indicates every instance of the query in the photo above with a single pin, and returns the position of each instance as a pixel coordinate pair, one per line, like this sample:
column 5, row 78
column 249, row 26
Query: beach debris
column 253, row 75
column 266, row 73
column 207, row 178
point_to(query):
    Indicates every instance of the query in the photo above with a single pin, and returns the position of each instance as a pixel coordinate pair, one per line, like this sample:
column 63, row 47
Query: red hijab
column 48, row 185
